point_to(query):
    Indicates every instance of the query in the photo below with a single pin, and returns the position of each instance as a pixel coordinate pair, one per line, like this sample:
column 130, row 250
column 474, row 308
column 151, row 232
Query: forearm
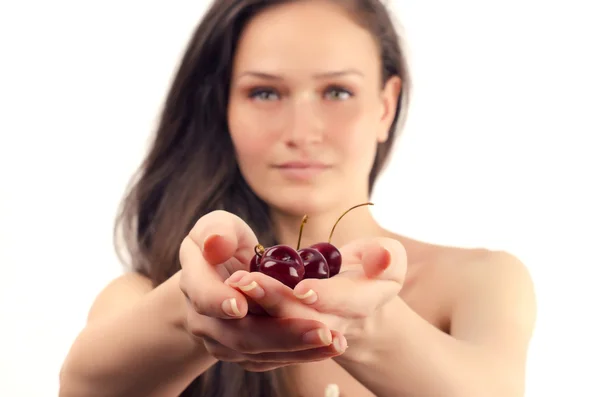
column 141, row 351
column 409, row 357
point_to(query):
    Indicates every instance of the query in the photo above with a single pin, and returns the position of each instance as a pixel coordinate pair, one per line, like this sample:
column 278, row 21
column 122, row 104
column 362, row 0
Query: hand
column 372, row 275
column 220, row 244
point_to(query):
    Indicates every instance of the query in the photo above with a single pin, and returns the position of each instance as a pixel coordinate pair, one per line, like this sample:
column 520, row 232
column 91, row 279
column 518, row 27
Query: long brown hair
column 190, row 169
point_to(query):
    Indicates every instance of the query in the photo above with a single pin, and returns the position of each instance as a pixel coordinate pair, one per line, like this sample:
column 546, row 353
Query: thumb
column 222, row 236
column 218, row 248
column 381, row 258
column 375, row 259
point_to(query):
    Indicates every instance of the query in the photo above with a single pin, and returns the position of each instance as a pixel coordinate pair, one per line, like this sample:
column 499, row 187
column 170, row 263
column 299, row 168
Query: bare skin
column 436, row 278
column 428, row 291
column 299, row 98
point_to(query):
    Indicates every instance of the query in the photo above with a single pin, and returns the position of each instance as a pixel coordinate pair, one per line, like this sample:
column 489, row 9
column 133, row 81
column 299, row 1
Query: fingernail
column 210, row 239
column 340, row 344
column 317, row 336
column 309, row 297
column 332, row 390
column 388, row 257
column 253, row 290
column 230, row 308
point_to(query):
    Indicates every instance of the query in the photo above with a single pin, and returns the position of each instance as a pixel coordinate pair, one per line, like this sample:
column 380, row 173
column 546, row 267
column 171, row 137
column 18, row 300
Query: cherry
column 289, row 266
column 331, row 254
column 255, row 262
column 284, row 264
column 281, row 262
column 315, row 264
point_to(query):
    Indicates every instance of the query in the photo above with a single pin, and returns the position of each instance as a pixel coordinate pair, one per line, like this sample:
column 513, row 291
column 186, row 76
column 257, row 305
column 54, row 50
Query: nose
column 305, row 123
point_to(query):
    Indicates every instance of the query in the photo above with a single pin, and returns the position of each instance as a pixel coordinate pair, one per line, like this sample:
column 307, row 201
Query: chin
column 301, row 200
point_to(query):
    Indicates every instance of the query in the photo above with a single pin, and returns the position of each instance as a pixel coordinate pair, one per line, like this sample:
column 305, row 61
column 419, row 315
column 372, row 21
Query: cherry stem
column 259, row 250
column 301, row 228
column 340, row 218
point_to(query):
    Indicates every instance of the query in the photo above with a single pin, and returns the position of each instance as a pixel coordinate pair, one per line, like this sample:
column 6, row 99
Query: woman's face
column 307, row 108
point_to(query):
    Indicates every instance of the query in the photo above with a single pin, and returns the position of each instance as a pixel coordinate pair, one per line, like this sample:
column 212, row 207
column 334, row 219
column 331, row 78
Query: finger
column 253, row 307
column 346, row 296
column 204, row 288
column 381, row 258
column 355, row 295
column 218, row 238
column 262, row 334
column 332, row 390
column 224, row 353
column 221, row 352
column 336, row 348
column 221, row 236
column 251, row 366
column 267, row 292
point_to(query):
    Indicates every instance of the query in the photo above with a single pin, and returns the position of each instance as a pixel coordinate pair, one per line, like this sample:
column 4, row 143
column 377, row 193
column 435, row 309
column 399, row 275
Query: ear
column 389, row 100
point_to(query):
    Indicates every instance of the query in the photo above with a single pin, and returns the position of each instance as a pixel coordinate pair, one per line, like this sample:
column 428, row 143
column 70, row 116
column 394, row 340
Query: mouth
column 301, row 170
column 302, row 165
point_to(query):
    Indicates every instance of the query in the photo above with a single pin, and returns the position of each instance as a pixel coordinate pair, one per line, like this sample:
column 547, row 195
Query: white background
column 500, row 151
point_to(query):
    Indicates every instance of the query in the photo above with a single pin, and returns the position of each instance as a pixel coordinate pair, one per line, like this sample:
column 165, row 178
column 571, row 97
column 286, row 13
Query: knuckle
column 308, row 284
column 184, row 285
column 213, row 218
column 184, row 289
column 396, row 247
column 217, row 221
column 200, row 227
column 218, row 213
column 184, row 247
column 195, row 304
column 194, row 326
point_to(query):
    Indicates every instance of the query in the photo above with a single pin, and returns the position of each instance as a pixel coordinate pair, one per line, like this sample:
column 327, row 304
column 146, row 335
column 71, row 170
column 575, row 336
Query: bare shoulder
column 481, row 275
column 495, row 287
column 119, row 294
column 486, row 296
column 464, row 271
column 482, row 269
column 478, row 270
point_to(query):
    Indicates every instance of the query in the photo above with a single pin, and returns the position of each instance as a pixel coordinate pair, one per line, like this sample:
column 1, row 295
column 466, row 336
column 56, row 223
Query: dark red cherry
column 255, row 263
column 332, row 256
column 284, row 264
column 315, row 265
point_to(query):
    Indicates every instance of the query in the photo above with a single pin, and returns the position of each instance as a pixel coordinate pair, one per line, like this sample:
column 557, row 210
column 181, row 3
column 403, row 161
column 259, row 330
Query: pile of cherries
column 290, row 266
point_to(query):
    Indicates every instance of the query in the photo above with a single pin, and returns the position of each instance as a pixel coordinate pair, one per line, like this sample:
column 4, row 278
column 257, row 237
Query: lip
column 301, row 170
column 302, row 165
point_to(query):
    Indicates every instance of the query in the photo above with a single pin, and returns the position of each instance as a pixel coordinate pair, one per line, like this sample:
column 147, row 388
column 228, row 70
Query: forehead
column 315, row 35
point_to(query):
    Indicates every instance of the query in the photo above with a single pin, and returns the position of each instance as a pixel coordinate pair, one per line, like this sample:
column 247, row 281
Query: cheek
column 249, row 139
column 247, row 145
column 353, row 130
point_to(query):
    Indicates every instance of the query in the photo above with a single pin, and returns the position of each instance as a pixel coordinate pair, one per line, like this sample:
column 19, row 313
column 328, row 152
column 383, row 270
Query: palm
column 338, row 319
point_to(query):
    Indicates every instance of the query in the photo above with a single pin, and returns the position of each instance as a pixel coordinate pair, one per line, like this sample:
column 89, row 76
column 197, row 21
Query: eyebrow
column 322, row 75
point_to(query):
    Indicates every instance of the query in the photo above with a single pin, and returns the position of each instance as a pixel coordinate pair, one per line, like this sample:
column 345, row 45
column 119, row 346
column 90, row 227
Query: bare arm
column 135, row 344
column 485, row 355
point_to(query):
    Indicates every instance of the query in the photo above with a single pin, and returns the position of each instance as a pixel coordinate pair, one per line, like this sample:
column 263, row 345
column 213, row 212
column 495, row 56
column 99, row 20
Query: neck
column 355, row 224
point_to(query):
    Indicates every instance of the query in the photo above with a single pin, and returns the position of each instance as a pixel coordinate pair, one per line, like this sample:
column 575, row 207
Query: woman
column 280, row 109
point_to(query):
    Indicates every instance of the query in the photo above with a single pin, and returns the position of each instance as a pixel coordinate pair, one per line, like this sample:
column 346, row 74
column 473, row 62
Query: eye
column 264, row 94
column 337, row 94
